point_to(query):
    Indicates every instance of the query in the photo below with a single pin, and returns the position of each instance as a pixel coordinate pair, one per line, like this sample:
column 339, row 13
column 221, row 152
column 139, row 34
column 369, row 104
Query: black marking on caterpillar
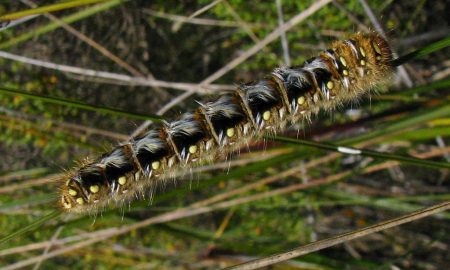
column 344, row 73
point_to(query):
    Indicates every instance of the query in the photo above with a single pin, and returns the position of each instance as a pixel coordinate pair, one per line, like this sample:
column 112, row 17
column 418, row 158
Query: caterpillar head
column 82, row 191
column 381, row 49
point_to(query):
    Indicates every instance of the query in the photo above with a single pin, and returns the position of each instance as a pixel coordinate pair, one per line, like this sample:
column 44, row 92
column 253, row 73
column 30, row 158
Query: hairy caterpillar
column 344, row 73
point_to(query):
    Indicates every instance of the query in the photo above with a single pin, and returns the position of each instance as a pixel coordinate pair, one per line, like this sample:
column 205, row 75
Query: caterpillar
column 344, row 73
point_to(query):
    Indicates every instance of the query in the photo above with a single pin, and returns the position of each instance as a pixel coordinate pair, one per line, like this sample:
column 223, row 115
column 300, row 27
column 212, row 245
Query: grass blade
column 442, row 84
column 68, row 19
column 367, row 153
column 49, row 8
column 339, row 239
column 77, row 104
column 31, row 226
column 438, row 45
column 409, row 121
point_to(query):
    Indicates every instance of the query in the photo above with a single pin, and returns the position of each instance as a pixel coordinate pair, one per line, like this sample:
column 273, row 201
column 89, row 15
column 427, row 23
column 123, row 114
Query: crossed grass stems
column 219, row 202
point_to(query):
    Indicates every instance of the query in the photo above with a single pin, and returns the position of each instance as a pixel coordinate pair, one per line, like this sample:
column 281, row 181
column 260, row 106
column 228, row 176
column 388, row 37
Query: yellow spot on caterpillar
column 301, row 100
column 122, row 180
column 345, row 72
column 73, row 192
column 376, row 48
column 361, row 50
column 230, row 132
column 94, row 189
column 363, row 62
column 192, row 149
column 80, row 201
column 266, row 115
column 342, row 59
column 378, row 58
column 155, row 165
column 330, row 85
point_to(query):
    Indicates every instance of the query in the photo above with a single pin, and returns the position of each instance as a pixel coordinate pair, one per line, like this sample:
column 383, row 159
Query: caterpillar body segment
column 345, row 72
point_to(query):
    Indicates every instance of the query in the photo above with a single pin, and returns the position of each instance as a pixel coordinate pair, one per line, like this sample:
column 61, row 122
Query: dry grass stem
column 343, row 238
column 136, row 81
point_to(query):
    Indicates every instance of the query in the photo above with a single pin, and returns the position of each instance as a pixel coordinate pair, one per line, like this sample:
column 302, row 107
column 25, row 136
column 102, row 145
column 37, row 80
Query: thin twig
column 351, row 17
column 207, row 22
column 4, row 26
column 74, row 127
column 401, row 70
column 50, row 244
column 204, row 9
column 422, row 38
column 275, row 34
column 34, row 182
column 242, row 23
column 178, row 25
column 339, row 239
column 22, row 174
column 56, row 242
column 115, row 76
column 284, row 43
column 52, row 254
column 90, row 42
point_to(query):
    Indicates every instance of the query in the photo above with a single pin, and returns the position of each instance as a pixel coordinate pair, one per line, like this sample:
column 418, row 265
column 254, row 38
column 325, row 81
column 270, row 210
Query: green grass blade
column 367, row 153
column 395, row 203
column 28, row 202
column 77, row 104
column 409, row 121
column 422, row 134
column 442, row 84
column 49, row 8
column 13, row 175
column 68, row 19
column 31, row 226
column 438, row 45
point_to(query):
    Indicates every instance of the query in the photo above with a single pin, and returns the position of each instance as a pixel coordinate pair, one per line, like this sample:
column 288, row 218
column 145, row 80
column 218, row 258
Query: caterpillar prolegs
column 343, row 73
